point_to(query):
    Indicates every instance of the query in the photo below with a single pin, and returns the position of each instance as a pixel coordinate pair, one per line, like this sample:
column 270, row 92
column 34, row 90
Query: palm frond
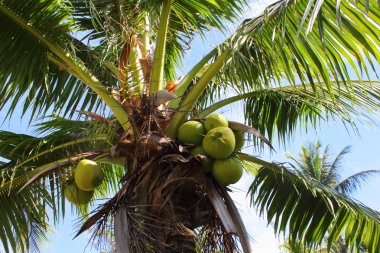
column 308, row 210
column 23, row 217
column 195, row 17
column 316, row 165
column 32, row 209
column 27, row 75
column 339, row 158
column 48, row 163
column 279, row 110
column 105, row 21
column 38, row 235
column 332, row 174
column 302, row 42
column 61, row 138
column 352, row 183
column 43, row 70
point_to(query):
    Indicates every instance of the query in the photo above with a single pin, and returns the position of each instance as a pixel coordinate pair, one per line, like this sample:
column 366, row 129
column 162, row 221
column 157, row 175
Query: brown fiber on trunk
column 164, row 202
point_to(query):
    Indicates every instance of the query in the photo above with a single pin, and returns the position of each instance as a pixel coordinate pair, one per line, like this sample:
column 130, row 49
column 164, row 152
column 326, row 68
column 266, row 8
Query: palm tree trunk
column 160, row 196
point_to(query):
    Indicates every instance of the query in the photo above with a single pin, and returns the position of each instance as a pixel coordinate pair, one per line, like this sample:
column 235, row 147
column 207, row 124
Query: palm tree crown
column 111, row 61
column 314, row 164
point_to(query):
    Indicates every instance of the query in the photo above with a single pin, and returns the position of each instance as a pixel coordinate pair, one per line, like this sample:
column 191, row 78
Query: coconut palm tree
column 315, row 164
column 115, row 63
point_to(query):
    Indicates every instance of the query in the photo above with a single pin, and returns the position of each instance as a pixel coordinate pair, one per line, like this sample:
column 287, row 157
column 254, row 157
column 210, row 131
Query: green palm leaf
column 26, row 73
column 352, row 183
column 24, row 218
column 67, row 136
column 45, row 65
column 274, row 49
column 315, row 164
column 308, row 209
column 43, row 40
column 30, row 156
column 276, row 46
column 105, row 20
column 280, row 110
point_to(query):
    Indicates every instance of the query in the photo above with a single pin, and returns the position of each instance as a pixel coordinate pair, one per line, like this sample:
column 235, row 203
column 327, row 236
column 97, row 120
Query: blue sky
column 364, row 155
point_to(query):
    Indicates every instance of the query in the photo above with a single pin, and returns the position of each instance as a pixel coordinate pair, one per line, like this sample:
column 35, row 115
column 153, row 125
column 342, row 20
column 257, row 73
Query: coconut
column 227, row 171
column 219, row 143
column 206, row 162
column 215, row 120
column 191, row 132
column 88, row 175
column 239, row 140
column 76, row 195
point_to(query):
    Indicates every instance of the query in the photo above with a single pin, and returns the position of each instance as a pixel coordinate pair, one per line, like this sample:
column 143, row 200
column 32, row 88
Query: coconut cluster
column 87, row 177
column 217, row 143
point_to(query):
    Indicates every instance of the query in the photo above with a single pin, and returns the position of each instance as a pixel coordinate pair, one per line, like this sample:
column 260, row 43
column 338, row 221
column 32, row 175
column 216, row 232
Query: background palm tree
column 316, row 164
column 110, row 61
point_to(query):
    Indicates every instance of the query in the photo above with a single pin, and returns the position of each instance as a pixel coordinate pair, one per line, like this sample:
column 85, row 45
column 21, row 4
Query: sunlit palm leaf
column 280, row 110
column 276, row 45
column 274, row 49
column 190, row 18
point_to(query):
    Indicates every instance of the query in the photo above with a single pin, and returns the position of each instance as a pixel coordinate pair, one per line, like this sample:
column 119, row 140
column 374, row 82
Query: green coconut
column 239, row 140
column 206, row 162
column 76, row 195
column 227, row 171
column 215, row 120
column 88, row 175
column 219, row 143
column 191, row 132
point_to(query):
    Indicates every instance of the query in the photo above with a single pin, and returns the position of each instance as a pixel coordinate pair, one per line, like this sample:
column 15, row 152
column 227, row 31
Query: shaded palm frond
column 47, row 68
column 59, row 126
column 310, row 210
column 31, row 73
column 10, row 147
column 51, row 178
column 93, row 58
column 38, row 234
